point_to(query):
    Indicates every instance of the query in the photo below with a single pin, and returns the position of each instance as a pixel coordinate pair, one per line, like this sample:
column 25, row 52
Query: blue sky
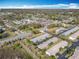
column 68, row 4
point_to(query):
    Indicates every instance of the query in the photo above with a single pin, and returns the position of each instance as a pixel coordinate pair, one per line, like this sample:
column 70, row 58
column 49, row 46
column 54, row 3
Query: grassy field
column 13, row 52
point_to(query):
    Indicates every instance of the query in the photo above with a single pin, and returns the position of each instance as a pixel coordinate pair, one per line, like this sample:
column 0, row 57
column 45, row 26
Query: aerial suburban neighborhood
column 39, row 34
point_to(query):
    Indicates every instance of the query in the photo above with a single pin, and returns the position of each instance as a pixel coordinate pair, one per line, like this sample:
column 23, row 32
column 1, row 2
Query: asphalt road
column 74, row 45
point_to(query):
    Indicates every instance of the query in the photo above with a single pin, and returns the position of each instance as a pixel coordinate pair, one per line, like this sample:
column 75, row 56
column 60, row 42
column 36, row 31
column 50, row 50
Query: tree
column 52, row 57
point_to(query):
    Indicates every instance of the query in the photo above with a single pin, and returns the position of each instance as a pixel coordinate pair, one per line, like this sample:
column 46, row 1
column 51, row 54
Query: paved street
column 74, row 45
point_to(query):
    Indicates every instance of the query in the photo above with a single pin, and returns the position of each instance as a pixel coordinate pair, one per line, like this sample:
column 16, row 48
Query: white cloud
column 73, row 6
column 53, row 6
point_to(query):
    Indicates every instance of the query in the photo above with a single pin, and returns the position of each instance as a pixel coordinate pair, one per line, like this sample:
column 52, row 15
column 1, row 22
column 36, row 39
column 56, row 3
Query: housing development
column 39, row 34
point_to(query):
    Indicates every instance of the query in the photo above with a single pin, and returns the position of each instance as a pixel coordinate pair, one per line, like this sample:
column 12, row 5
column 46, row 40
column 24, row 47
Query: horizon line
column 53, row 6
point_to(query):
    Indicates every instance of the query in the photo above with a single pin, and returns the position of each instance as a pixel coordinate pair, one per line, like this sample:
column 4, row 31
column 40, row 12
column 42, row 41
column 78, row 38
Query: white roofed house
column 17, row 22
column 70, row 31
column 59, row 30
column 74, row 36
column 55, row 49
column 41, row 38
column 46, row 43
